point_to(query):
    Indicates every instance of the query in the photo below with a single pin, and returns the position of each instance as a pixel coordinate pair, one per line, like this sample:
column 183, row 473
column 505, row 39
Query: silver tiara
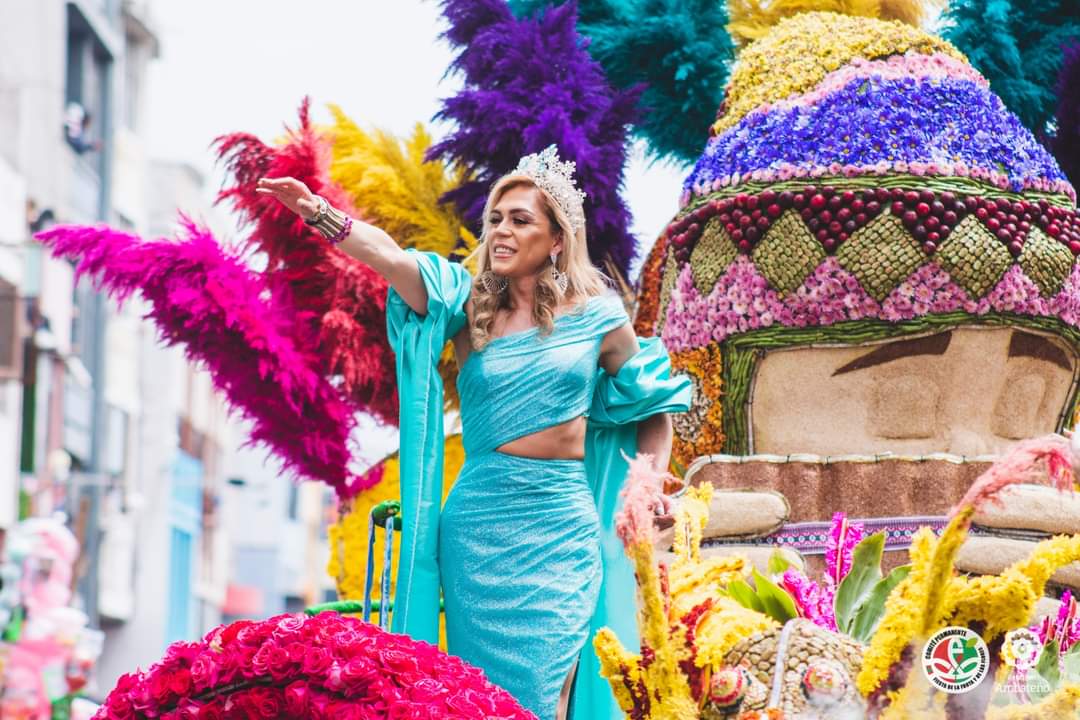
column 557, row 178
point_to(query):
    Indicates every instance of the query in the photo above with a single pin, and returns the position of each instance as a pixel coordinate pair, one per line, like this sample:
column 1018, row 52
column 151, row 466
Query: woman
column 554, row 387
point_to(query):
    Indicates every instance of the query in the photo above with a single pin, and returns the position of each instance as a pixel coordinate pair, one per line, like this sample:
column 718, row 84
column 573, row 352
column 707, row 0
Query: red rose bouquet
column 327, row 666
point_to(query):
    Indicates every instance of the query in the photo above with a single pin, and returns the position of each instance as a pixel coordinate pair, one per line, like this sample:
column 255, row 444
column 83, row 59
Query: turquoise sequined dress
column 524, row 548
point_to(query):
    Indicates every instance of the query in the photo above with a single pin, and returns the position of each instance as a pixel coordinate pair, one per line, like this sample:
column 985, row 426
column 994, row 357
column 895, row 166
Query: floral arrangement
column 326, row 667
column 931, row 597
column 1065, row 627
column 842, row 187
column 699, row 431
column 800, row 51
column 816, row 601
column 878, row 124
column 816, row 255
column 690, row 625
column 686, row 627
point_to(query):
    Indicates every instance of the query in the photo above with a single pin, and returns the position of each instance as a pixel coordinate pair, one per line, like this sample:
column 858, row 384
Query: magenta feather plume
column 838, row 551
column 258, row 347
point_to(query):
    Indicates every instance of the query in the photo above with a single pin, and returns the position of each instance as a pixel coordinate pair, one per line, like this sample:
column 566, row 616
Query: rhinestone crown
column 557, row 178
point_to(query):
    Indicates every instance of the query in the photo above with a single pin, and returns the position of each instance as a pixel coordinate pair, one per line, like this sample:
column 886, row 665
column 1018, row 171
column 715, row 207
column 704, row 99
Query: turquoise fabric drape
column 641, row 388
column 417, row 342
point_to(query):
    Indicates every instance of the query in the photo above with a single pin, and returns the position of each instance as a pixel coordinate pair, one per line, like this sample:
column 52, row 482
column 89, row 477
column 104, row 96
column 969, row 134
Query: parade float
column 871, row 283
column 47, row 650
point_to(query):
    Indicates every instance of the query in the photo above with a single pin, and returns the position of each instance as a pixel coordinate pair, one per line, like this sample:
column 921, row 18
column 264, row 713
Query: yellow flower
column 690, row 524
column 1064, row 704
column 700, row 430
column 724, row 626
column 669, row 641
column 801, row 50
column 1006, row 601
column 903, row 618
column 941, row 568
column 621, row 668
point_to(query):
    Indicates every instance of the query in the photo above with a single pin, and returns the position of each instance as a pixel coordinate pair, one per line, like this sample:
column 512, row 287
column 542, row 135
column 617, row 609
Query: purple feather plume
column 530, row 83
column 1066, row 142
column 245, row 329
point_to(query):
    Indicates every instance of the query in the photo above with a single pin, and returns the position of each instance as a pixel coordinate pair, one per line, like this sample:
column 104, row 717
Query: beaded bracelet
column 331, row 222
column 342, row 233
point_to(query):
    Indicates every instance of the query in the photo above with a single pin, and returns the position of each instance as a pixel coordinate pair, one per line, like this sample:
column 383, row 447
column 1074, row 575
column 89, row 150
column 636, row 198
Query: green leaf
column 1037, row 687
column 1071, row 661
column 778, row 563
column 778, row 604
column 856, row 587
column 745, row 595
column 869, row 614
column 1047, row 667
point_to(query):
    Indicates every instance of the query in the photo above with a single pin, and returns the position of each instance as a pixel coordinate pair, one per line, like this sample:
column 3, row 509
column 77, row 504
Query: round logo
column 955, row 660
column 1021, row 649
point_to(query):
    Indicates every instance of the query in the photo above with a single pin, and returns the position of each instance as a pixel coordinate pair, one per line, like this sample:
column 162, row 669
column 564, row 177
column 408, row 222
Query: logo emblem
column 955, row 660
column 1021, row 649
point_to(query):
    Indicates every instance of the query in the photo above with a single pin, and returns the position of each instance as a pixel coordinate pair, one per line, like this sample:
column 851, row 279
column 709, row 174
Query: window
column 11, row 347
column 86, row 88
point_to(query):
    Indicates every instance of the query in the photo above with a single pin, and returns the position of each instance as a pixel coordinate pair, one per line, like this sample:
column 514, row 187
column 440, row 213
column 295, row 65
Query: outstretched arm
column 367, row 243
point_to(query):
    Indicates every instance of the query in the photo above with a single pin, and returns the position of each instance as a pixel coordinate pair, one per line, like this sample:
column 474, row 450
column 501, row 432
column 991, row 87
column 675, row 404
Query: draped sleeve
column 417, row 342
column 642, row 387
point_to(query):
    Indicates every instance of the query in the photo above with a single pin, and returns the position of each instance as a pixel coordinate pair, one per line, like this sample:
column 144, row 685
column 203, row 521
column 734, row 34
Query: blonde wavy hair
column 585, row 280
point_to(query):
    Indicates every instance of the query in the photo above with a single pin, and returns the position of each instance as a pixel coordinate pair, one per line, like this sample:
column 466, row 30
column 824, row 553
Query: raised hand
column 291, row 193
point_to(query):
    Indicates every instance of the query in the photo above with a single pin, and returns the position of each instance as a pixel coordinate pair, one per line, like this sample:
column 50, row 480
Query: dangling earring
column 493, row 284
column 562, row 280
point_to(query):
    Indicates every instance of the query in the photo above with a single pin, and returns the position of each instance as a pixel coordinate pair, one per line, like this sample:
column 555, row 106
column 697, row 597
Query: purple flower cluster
column 742, row 301
column 881, row 123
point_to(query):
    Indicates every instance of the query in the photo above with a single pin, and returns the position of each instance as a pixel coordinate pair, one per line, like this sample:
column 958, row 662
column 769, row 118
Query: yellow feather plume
column 395, row 188
column 754, row 19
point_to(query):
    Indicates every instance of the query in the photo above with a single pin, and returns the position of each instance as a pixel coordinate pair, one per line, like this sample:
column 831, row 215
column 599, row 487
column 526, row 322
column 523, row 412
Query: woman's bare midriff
column 558, row 442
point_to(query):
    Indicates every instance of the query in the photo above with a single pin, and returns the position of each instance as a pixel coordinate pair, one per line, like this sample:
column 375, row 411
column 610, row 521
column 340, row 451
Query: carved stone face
column 969, row 391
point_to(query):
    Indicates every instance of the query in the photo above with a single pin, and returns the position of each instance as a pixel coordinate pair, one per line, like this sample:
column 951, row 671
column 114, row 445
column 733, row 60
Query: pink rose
column 262, row 702
column 119, row 708
column 297, row 695
column 180, row 682
column 288, row 624
column 204, row 672
column 357, row 674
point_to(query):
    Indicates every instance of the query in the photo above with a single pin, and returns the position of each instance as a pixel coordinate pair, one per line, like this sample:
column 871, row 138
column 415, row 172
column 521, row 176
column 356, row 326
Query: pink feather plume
column 258, row 347
column 1022, row 464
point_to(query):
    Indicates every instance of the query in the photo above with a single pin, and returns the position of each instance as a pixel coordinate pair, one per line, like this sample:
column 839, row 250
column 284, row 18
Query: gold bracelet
column 330, row 222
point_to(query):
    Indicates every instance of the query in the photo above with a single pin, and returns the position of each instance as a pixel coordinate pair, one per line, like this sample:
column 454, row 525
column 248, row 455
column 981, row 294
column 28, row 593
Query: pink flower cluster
column 326, row 667
column 742, row 300
column 1065, row 628
column 814, row 601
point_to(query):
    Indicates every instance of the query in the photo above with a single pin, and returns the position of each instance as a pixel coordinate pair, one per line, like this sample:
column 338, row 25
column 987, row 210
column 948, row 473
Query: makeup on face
column 519, row 234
